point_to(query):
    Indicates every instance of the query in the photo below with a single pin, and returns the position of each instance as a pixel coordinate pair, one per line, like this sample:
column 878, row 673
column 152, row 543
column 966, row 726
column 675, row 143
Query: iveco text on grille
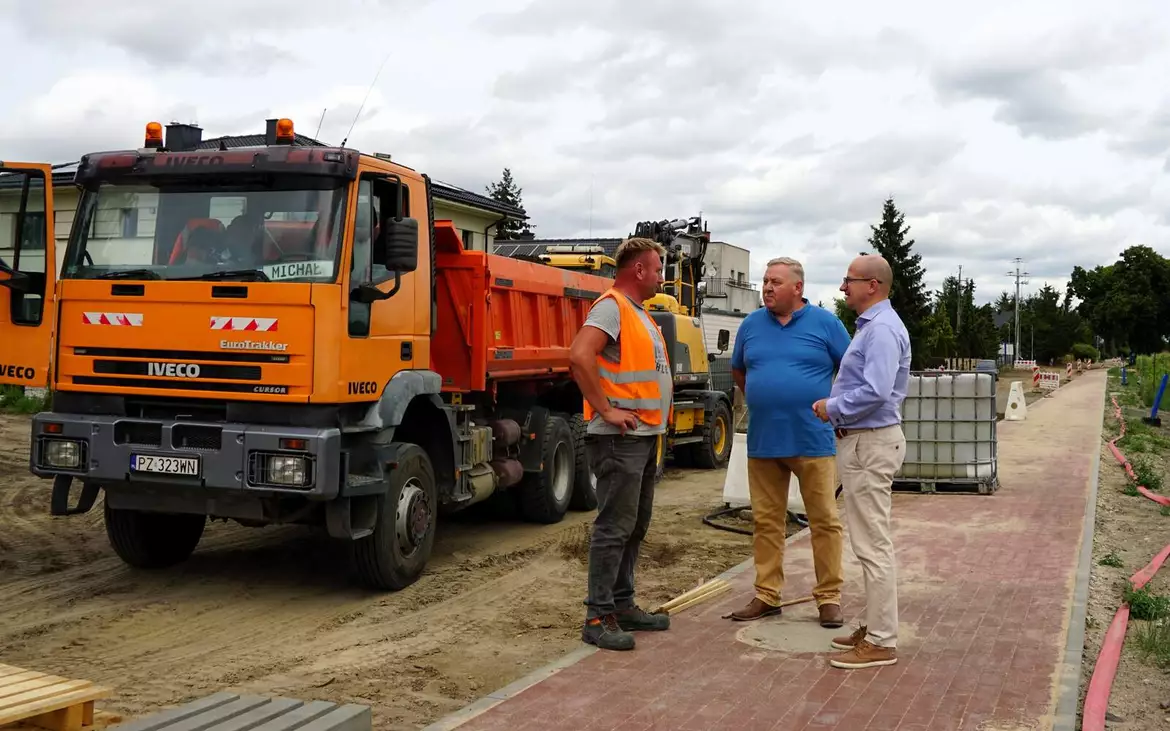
column 173, row 370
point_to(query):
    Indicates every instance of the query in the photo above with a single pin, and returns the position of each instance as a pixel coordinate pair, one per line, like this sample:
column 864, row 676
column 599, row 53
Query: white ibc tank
column 949, row 421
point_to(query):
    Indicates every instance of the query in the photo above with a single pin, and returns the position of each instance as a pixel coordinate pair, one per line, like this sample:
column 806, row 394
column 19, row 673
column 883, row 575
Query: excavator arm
column 686, row 242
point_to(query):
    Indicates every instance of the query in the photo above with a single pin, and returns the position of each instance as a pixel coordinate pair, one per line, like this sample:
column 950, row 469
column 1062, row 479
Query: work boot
column 756, row 609
column 864, row 654
column 830, row 615
column 606, row 634
column 848, row 643
column 635, row 619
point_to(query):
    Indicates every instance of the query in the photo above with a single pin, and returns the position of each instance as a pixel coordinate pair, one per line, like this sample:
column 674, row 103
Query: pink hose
column 1160, row 499
column 1105, row 669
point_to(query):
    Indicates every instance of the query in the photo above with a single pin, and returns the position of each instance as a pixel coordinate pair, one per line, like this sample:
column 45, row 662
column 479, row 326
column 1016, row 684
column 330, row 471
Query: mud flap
column 353, row 515
column 339, row 518
column 59, row 502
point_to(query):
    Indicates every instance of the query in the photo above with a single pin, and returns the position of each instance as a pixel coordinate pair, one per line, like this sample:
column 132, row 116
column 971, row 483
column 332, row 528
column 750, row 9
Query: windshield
column 279, row 228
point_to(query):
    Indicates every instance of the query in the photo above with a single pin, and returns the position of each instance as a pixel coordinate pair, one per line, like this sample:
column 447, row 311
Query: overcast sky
column 1038, row 130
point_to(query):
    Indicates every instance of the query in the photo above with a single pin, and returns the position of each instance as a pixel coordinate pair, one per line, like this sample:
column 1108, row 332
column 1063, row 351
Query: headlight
column 285, row 470
column 62, row 454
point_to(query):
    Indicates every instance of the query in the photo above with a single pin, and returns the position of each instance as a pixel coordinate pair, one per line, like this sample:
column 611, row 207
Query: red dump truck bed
column 502, row 318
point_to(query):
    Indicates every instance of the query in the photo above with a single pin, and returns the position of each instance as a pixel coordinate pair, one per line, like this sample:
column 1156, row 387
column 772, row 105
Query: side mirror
column 367, row 294
column 14, row 280
column 401, row 244
column 724, row 340
column 710, row 357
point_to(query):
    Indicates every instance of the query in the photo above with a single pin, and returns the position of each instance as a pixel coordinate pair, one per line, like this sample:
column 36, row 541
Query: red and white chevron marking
column 244, row 324
column 130, row 319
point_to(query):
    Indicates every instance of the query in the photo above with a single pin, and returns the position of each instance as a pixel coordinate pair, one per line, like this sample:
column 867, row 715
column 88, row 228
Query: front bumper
column 213, row 456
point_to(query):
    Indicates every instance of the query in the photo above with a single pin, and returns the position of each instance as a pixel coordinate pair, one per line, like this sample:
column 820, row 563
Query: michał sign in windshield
column 299, row 270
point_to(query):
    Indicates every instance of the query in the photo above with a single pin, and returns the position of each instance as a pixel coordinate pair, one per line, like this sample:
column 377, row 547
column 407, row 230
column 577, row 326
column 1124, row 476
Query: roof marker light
column 154, row 135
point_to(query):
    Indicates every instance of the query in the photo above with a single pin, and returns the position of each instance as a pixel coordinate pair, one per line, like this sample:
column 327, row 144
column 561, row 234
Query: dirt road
column 273, row 610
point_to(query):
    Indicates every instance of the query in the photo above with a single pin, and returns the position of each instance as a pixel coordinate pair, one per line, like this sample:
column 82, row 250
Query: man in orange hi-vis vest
column 619, row 362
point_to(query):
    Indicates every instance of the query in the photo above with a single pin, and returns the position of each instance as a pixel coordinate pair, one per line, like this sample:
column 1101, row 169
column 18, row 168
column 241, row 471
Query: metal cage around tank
column 949, row 419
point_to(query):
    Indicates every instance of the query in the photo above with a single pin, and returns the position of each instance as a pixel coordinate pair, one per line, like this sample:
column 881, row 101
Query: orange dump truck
column 298, row 341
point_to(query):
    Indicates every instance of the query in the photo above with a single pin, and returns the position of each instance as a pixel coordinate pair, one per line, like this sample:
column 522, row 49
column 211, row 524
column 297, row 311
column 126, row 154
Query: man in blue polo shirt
column 783, row 360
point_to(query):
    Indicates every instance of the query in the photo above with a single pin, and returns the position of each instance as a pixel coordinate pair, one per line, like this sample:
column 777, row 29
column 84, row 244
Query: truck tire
column 153, row 540
column 544, row 496
column 715, row 449
column 584, row 481
column 395, row 554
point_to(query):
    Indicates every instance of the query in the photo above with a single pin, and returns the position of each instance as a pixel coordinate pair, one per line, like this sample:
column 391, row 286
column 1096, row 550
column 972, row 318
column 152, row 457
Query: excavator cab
column 27, row 274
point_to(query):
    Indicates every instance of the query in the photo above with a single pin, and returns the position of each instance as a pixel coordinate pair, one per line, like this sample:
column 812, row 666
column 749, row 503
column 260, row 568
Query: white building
column 728, row 279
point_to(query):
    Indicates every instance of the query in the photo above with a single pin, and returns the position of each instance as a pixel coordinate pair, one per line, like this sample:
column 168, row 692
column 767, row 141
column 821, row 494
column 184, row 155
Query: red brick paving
column 985, row 584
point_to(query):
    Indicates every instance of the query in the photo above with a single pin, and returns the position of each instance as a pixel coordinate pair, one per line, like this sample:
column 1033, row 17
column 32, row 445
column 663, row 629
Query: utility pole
column 1018, row 275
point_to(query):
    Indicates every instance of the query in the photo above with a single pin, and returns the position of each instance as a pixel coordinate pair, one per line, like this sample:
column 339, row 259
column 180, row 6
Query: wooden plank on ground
column 48, row 701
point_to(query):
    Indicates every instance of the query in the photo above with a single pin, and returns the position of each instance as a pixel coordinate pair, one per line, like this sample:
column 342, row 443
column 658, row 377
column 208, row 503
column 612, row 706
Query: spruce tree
column 908, row 293
column 507, row 192
column 847, row 316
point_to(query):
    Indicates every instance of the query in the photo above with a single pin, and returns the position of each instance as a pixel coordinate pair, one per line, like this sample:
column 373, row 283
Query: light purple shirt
column 874, row 373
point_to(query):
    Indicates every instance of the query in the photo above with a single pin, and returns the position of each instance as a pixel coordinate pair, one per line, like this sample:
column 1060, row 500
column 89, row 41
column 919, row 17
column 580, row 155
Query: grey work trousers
column 625, row 467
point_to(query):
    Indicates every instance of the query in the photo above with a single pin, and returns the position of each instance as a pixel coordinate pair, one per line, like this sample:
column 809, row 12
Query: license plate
column 159, row 465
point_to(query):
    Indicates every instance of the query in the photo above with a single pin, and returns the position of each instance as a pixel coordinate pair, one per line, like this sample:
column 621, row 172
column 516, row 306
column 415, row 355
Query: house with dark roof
column 475, row 216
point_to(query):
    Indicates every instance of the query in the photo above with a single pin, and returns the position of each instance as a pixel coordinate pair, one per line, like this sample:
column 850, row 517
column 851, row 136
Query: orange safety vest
column 631, row 384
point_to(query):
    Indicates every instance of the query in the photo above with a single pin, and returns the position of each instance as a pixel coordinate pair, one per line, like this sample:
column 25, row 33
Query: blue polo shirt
column 788, row 367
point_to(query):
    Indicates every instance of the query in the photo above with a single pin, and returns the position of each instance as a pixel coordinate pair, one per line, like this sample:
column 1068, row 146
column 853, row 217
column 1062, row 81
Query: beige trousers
column 768, row 484
column 867, row 461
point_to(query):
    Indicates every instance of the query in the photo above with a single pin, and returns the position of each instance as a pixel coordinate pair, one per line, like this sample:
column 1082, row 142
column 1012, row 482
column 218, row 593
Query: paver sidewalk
column 985, row 588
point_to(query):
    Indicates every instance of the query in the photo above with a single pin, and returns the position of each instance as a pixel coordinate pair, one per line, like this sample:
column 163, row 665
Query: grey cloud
column 1148, row 136
column 843, row 183
column 761, row 32
column 985, row 239
column 655, row 140
column 1096, row 199
column 1035, row 101
column 213, row 35
column 1027, row 79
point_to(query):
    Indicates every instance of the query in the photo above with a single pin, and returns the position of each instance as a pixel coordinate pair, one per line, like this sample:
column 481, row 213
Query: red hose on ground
column 1101, row 682
column 1160, row 499
column 1143, row 577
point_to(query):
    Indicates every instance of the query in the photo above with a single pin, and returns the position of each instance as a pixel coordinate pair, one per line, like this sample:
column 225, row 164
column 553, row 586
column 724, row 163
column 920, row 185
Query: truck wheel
column 395, row 554
column 544, row 496
column 584, row 481
column 715, row 449
column 153, row 540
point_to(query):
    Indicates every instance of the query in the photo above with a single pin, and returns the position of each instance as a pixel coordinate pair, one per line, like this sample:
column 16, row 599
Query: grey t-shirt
column 606, row 317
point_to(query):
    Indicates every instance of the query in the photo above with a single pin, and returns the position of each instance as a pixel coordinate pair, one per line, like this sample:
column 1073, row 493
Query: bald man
column 865, row 409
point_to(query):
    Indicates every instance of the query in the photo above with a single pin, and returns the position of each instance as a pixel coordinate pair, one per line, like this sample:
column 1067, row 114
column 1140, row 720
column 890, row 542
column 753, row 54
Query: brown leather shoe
column 755, row 609
column 849, row 642
column 864, row 655
column 831, row 616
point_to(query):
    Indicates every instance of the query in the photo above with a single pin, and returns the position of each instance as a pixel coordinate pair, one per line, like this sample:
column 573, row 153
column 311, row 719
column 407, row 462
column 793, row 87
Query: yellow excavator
column 700, row 434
